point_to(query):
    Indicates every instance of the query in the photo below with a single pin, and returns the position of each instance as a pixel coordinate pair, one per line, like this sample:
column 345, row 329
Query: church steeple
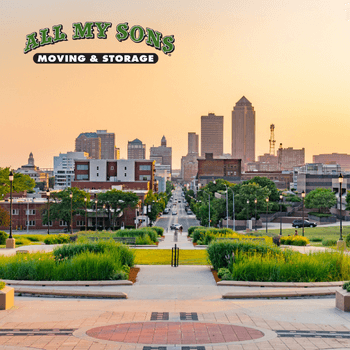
column 31, row 159
column 163, row 141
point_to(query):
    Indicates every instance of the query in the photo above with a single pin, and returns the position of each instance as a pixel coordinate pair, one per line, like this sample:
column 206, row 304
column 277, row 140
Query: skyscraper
column 243, row 131
column 193, row 143
column 107, row 144
column 212, row 135
column 162, row 154
column 136, row 149
column 99, row 144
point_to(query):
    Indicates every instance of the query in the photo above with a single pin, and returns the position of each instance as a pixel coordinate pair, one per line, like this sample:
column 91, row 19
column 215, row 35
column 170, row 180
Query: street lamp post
column 303, row 196
column 103, row 215
column 71, row 212
column 267, row 212
column 340, row 243
column 247, row 226
column 48, row 211
column 85, row 200
column 96, row 214
column 255, row 202
column 281, row 198
column 10, row 242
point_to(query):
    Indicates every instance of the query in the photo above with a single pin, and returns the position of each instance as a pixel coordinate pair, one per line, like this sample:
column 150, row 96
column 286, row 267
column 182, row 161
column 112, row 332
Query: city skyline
column 289, row 59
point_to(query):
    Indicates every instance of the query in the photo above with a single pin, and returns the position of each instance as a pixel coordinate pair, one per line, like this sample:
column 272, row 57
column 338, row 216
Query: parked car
column 189, row 212
column 174, row 213
column 307, row 223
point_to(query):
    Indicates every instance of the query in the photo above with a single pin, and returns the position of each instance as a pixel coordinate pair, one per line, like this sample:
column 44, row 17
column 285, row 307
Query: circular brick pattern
column 174, row 333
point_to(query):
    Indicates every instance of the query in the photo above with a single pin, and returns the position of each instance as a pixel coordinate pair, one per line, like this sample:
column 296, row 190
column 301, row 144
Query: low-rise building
column 34, row 171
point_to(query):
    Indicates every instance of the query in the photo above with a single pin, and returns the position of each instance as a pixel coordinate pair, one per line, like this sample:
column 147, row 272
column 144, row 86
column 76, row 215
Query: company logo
column 90, row 30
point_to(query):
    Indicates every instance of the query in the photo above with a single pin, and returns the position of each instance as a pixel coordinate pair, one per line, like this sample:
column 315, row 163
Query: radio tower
column 272, row 140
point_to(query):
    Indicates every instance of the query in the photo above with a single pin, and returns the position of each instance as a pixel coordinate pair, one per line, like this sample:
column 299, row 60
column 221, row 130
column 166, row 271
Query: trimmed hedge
column 220, row 252
column 294, row 240
column 57, row 239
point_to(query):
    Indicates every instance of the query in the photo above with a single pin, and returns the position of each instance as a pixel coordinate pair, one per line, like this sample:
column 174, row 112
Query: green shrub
column 329, row 242
column 320, row 215
column 293, row 267
column 57, row 239
column 22, row 241
column 192, row 228
column 2, row 285
column 120, row 251
column 294, row 240
column 159, row 230
column 32, row 238
column 3, row 237
column 347, row 240
column 315, row 239
column 220, row 252
column 224, row 274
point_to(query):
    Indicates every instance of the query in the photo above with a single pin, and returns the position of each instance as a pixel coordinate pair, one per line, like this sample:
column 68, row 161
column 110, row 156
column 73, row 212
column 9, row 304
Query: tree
column 265, row 182
column 4, row 217
column 347, row 199
column 321, row 198
column 20, row 182
column 116, row 203
column 60, row 205
column 51, row 182
column 41, row 185
column 156, row 203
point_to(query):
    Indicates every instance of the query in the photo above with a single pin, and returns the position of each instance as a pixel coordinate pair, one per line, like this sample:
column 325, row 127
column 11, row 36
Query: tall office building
column 107, row 144
column 99, row 144
column 193, row 143
column 90, row 143
column 243, row 131
column 136, row 149
column 212, row 135
column 162, row 154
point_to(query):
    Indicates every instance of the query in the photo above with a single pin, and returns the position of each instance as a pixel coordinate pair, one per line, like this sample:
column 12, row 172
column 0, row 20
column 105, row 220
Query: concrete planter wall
column 342, row 300
column 7, row 298
column 325, row 219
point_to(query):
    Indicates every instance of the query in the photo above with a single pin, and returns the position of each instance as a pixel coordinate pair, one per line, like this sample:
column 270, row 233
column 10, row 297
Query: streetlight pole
column 281, row 198
column 71, row 212
column 303, row 196
column 341, row 218
column 96, row 214
column 85, row 200
column 11, row 183
column 48, row 210
column 267, row 212
column 247, row 226
column 255, row 202
column 10, row 242
column 103, row 215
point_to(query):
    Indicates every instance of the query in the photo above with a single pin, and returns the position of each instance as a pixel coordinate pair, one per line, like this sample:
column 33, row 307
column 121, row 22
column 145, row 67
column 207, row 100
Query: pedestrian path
column 171, row 238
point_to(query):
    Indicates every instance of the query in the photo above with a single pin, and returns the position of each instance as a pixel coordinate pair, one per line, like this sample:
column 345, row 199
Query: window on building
column 97, row 174
column 30, row 223
column 82, row 177
column 112, row 167
column 145, row 177
column 30, row 212
column 125, row 174
column 15, row 211
column 145, row 167
column 63, row 223
column 46, row 224
column 82, row 167
column 97, row 168
column 124, row 168
column 80, row 223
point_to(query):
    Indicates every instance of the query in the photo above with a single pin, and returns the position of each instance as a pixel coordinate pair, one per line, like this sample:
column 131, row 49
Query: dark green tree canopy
column 20, row 182
column 321, row 198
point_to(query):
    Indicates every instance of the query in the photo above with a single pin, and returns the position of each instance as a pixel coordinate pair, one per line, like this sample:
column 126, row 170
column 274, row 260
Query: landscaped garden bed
column 261, row 262
column 72, row 262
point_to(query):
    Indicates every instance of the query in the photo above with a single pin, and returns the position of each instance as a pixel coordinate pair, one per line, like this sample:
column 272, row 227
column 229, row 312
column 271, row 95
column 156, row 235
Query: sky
column 290, row 59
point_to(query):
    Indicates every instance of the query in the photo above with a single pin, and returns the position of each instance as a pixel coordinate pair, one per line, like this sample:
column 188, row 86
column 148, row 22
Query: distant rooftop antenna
column 272, row 140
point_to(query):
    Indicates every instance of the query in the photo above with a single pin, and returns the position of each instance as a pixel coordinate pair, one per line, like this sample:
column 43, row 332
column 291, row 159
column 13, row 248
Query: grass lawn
column 330, row 232
column 163, row 257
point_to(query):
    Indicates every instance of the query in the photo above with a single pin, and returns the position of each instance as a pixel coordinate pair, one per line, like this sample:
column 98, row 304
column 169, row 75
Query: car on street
column 174, row 213
column 307, row 223
column 175, row 226
column 189, row 212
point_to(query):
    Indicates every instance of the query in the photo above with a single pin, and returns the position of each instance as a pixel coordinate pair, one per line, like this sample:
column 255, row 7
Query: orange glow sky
column 291, row 59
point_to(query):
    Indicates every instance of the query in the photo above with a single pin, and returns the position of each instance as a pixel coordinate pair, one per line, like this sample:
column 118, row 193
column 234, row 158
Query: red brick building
column 212, row 168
